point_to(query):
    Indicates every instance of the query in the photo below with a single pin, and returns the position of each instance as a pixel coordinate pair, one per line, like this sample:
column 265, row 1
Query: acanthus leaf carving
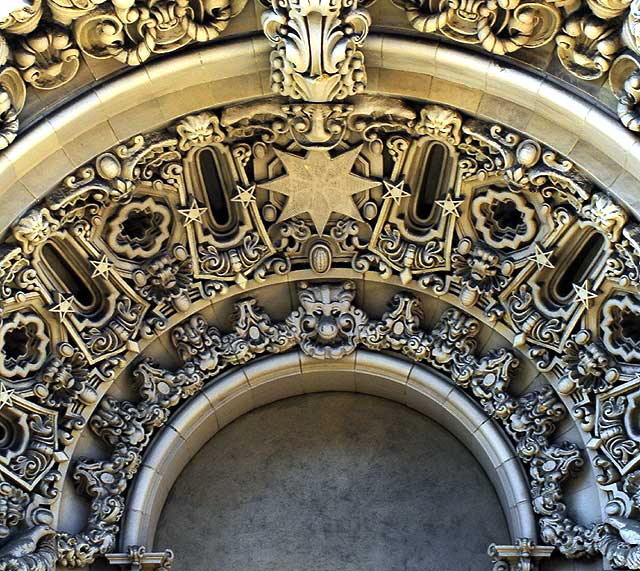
column 531, row 419
column 316, row 55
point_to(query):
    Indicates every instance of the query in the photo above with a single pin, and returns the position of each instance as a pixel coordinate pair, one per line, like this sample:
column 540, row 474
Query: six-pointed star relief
column 319, row 185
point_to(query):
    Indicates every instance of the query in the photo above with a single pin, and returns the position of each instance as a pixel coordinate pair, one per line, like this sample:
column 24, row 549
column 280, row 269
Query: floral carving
column 587, row 45
column 12, row 98
column 33, row 550
column 624, row 79
column 316, row 56
column 13, row 503
column 131, row 31
column 23, row 19
column 47, row 58
column 319, row 329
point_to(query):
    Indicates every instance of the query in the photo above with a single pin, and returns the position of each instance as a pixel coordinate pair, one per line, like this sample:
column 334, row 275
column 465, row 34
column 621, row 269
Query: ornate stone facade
column 129, row 246
column 325, row 185
column 316, row 55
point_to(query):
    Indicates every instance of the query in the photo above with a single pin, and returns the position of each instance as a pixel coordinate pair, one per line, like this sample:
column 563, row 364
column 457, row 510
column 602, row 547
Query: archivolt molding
column 317, row 46
column 451, row 205
column 327, row 325
column 285, row 375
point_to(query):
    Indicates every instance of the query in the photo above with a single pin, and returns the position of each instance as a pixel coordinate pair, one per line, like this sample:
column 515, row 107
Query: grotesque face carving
column 589, row 366
column 453, row 336
column 327, row 322
column 440, row 122
column 480, row 269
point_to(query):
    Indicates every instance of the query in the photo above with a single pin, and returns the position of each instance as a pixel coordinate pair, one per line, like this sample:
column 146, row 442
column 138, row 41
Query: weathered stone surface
column 332, row 481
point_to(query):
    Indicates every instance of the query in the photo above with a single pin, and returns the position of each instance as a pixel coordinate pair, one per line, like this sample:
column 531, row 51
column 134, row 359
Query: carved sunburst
column 319, row 185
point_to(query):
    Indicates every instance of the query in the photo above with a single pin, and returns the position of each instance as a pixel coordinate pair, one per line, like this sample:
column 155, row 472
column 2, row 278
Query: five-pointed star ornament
column 101, row 267
column 5, row 397
column 245, row 196
column 64, row 306
column 449, row 206
column 583, row 295
column 395, row 192
column 193, row 213
column 318, row 184
column 541, row 258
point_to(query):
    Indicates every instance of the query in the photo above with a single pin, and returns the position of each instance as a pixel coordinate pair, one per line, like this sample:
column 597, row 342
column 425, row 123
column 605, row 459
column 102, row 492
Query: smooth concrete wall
column 332, row 481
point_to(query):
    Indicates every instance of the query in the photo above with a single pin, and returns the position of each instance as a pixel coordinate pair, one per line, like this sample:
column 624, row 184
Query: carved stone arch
column 62, row 364
column 472, row 426
column 576, row 119
column 281, row 376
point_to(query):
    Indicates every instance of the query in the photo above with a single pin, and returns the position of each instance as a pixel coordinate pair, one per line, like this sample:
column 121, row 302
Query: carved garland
column 316, row 55
column 465, row 210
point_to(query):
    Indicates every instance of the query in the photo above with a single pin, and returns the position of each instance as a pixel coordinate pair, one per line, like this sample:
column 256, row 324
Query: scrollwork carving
column 327, row 325
column 135, row 229
column 316, row 55
column 529, row 25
